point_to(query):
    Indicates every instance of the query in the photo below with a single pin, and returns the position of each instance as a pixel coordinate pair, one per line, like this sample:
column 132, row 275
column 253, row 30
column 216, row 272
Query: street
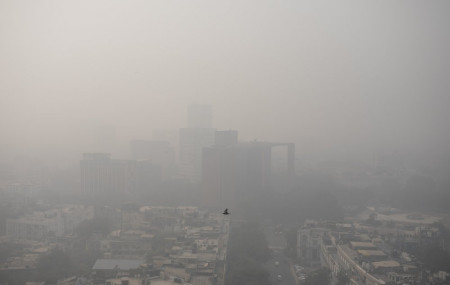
column 278, row 265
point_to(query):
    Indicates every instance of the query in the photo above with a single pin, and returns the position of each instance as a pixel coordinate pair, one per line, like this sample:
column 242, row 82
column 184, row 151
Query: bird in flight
column 226, row 212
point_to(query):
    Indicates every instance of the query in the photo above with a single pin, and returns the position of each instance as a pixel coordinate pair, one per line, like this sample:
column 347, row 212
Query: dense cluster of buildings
column 368, row 252
column 146, row 245
column 41, row 225
column 225, row 169
column 169, row 244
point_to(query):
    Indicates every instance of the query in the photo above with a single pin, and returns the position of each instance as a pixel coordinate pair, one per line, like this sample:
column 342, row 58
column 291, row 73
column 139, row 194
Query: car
column 277, row 263
column 279, row 277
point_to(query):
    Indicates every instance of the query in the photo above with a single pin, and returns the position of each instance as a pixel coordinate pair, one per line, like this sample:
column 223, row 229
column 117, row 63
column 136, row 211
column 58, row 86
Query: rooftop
column 356, row 244
column 365, row 252
column 386, row 264
column 109, row 264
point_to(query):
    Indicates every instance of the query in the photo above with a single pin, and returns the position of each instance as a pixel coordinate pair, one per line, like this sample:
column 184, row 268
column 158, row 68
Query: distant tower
column 101, row 175
column 193, row 139
column 192, row 142
column 233, row 172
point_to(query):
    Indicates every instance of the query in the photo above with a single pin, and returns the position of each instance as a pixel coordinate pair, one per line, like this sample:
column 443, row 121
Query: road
column 276, row 244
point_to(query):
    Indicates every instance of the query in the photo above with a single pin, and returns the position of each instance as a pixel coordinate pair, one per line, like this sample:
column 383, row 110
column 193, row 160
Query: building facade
column 102, row 175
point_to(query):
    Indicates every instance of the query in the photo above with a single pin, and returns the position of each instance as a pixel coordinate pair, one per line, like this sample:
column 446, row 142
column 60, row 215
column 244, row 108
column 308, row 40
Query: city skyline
column 337, row 80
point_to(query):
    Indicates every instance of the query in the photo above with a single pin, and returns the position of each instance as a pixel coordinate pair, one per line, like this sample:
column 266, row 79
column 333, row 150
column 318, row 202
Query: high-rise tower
column 193, row 139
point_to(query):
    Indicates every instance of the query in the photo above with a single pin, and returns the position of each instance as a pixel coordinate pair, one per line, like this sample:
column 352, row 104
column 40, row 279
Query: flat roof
column 386, row 263
column 362, row 244
column 366, row 252
column 109, row 264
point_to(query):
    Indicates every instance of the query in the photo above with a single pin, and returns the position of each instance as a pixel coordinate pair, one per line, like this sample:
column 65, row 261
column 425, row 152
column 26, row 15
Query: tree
column 342, row 278
column 433, row 256
column 372, row 220
column 96, row 225
column 53, row 266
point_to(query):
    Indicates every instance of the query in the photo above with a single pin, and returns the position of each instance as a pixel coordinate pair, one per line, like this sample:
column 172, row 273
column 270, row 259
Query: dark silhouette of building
column 102, row 176
column 193, row 139
column 238, row 171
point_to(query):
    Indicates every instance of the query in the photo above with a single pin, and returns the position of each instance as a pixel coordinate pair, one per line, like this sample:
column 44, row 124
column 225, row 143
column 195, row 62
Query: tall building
column 239, row 171
column 193, row 139
column 101, row 175
column 234, row 172
column 192, row 142
column 309, row 240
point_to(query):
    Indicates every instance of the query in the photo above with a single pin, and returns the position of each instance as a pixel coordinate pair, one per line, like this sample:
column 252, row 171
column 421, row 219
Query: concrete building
column 192, row 142
column 309, row 241
column 235, row 171
column 198, row 134
column 53, row 223
column 101, row 175
column 112, row 268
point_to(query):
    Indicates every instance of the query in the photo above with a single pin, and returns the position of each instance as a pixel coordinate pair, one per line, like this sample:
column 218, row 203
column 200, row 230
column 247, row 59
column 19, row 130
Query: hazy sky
column 332, row 76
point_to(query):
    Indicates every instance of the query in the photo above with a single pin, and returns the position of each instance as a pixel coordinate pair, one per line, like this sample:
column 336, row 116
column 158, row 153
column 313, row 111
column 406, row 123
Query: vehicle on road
column 279, row 277
column 277, row 263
